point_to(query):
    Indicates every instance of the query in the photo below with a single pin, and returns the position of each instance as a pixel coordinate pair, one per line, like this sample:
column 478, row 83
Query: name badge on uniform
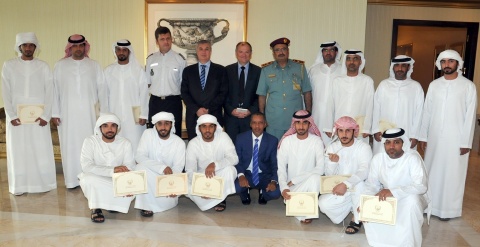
column 153, row 64
column 175, row 69
column 271, row 75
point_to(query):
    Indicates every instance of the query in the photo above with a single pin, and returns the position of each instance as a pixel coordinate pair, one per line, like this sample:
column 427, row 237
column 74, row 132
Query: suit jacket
column 250, row 99
column 212, row 98
column 267, row 154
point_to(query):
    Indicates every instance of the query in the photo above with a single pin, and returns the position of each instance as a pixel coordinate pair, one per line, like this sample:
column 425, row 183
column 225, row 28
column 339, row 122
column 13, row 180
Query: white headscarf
column 24, row 38
column 165, row 116
column 400, row 59
column 449, row 54
column 394, row 134
column 319, row 58
column 353, row 52
column 207, row 118
column 125, row 43
column 105, row 118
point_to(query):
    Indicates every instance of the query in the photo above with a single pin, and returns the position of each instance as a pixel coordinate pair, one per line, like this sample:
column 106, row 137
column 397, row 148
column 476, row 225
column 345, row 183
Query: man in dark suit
column 257, row 166
column 242, row 99
column 204, row 88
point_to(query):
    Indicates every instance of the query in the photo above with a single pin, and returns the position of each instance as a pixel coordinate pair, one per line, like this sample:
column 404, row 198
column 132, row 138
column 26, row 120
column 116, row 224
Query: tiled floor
column 61, row 218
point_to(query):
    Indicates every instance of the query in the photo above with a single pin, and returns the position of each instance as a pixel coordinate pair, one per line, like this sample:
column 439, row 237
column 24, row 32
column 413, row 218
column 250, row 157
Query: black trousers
column 172, row 104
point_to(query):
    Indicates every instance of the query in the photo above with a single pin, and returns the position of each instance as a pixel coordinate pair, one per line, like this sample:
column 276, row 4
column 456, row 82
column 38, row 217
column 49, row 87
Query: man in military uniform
column 283, row 82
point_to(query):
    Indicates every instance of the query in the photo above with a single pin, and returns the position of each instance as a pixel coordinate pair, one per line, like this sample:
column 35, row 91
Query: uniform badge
column 271, row 75
column 151, row 72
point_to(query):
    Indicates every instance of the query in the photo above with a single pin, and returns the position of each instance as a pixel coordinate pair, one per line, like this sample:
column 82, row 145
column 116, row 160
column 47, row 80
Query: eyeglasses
column 277, row 50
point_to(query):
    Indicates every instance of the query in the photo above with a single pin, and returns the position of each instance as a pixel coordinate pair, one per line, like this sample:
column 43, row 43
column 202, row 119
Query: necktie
column 241, row 86
column 255, row 177
column 202, row 76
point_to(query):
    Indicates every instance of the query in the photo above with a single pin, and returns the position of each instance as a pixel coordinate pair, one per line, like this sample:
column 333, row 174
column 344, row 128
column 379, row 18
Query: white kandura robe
column 98, row 160
column 321, row 77
column 200, row 154
column 30, row 162
column 127, row 87
column 353, row 97
column 153, row 156
column 406, row 178
column 448, row 124
column 399, row 102
column 302, row 163
column 355, row 161
column 79, row 85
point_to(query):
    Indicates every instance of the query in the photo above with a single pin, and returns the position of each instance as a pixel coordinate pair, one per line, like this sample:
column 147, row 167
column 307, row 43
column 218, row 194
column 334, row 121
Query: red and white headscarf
column 297, row 116
column 76, row 39
column 346, row 122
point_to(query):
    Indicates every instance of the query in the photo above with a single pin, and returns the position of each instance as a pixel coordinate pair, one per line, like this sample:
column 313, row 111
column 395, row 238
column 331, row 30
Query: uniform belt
column 167, row 97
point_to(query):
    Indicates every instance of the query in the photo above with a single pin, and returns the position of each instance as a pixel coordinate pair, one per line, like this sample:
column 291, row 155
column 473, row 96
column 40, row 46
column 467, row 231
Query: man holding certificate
column 211, row 153
column 104, row 154
column 300, row 158
column 27, row 90
column 398, row 172
column 345, row 156
column 160, row 152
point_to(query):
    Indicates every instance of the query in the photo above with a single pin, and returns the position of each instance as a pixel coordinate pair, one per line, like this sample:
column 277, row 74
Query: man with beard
column 447, row 133
column 160, row 152
column 326, row 67
column 346, row 156
column 352, row 94
column 28, row 80
column 284, row 81
column 213, row 153
column 398, row 101
column 398, row 172
column 103, row 154
column 127, row 89
column 79, row 88
column 300, row 158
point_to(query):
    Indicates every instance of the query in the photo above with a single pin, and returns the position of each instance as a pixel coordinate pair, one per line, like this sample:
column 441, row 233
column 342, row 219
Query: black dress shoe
column 443, row 219
column 261, row 200
column 245, row 197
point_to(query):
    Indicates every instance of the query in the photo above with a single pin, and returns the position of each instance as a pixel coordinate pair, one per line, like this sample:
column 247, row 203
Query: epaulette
column 148, row 56
column 180, row 54
column 266, row 64
column 298, row 61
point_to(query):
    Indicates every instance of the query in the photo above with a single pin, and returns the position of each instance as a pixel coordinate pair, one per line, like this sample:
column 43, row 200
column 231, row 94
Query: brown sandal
column 97, row 216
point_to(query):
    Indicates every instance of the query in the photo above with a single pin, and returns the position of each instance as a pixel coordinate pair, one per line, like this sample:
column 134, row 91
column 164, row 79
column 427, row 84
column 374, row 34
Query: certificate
column 29, row 113
column 385, row 125
column 373, row 210
column 302, row 204
column 327, row 183
column 129, row 183
column 207, row 187
column 173, row 184
column 136, row 110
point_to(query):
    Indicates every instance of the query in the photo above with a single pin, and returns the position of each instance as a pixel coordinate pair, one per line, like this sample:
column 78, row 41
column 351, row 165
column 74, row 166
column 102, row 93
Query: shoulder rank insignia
column 298, row 61
column 266, row 64
column 180, row 54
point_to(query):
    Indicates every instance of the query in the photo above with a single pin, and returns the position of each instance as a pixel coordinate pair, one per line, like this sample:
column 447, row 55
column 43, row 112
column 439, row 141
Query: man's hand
column 42, row 122
column 56, row 121
column 172, row 196
column 167, row 170
column 201, row 111
column 464, row 151
column 365, row 135
column 383, row 194
column 210, row 170
column 329, row 134
column 378, row 136
column 15, row 122
column 333, row 157
column 414, row 142
column 340, row 189
column 118, row 169
column 142, row 121
column 423, row 145
column 272, row 186
column 243, row 181
column 285, row 194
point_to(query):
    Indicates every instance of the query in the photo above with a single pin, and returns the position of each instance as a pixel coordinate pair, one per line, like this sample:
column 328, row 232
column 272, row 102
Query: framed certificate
column 29, row 113
column 327, row 183
column 173, row 184
column 302, row 204
column 129, row 183
column 373, row 210
column 136, row 110
column 207, row 187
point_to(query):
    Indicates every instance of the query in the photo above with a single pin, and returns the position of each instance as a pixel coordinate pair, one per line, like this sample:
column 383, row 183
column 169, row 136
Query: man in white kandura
column 352, row 95
column 398, row 172
column 28, row 80
column 79, row 88
column 127, row 88
column 447, row 127
column 300, row 158
column 327, row 66
column 160, row 152
column 211, row 152
column 347, row 156
column 103, row 154
column 398, row 101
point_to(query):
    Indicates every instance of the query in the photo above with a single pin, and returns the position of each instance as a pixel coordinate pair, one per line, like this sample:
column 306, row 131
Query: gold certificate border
column 391, row 200
column 116, row 176
column 290, row 212
column 322, row 181
column 197, row 193
column 180, row 192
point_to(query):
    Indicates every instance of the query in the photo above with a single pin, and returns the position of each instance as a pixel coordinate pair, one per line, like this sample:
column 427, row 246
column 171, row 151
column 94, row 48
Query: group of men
column 335, row 96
